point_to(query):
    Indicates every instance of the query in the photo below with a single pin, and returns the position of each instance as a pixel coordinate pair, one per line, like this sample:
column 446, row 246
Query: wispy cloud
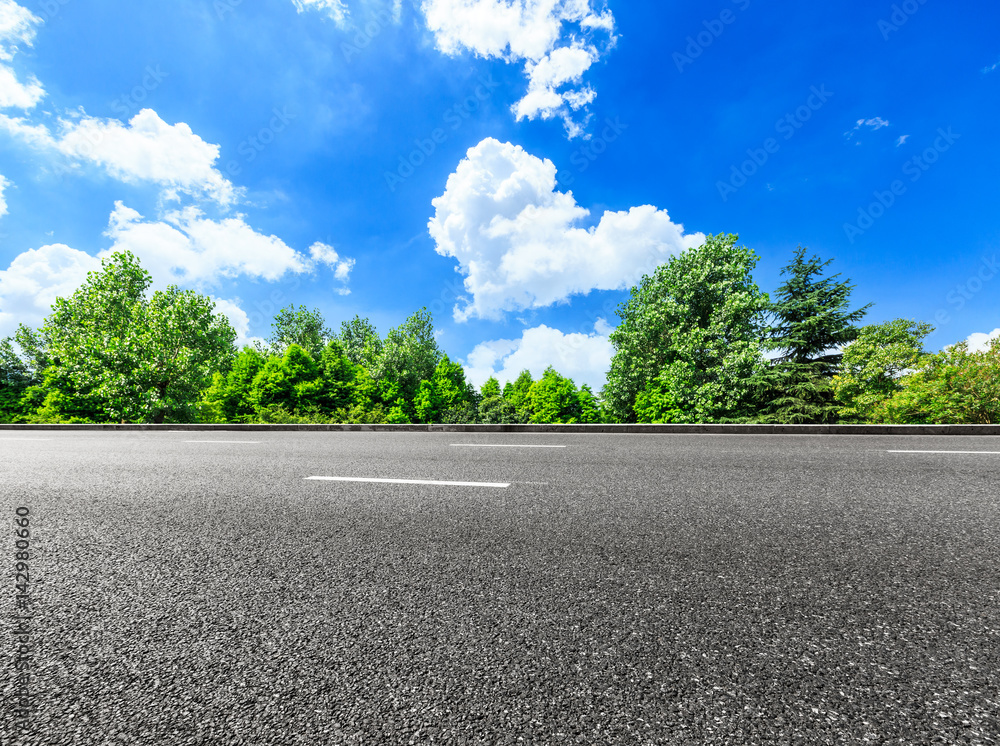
column 902, row 140
column 991, row 68
column 875, row 123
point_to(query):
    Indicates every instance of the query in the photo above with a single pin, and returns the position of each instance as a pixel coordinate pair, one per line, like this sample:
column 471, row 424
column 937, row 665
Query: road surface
column 205, row 588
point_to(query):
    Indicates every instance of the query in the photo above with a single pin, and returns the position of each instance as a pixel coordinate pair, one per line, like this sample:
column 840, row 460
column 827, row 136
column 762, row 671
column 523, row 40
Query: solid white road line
column 33, row 440
column 975, row 453
column 499, row 485
column 498, row 445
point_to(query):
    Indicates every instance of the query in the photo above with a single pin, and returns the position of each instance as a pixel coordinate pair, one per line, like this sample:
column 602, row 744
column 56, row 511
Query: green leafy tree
column 689, row 341
column 516, row 394
column 952, row 387
column 554, row 399
column 446, row 391
column 491, row 388
column 873, row 364
column 409, row 355
column 229, row 397
column 291, row 382
column 591, row 409
column 811, row 324
column 340, row 376
column 15, row 379
column 361, row 342
column 303, row 326
column 143, row 358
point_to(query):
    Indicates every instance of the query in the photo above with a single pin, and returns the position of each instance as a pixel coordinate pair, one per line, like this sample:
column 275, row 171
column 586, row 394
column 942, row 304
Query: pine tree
column 811, row 324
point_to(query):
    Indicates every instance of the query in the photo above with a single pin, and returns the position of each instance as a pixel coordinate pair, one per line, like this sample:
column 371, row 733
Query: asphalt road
column 627, row 589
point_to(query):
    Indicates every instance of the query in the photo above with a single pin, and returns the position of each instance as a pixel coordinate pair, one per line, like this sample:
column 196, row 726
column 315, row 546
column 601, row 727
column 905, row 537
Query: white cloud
column 239, row 320
column 875, row 123
column 187, row 248
column 15, row 94
column 33, row 281
column 334, row 8
column 583, row 357
column 17, row 28
column 543, row 34
column 902, row 140
column 324, row 254
column 147, row 149
column 518, row 242
column 3, row 202
column 991, row 68
column 980, row 342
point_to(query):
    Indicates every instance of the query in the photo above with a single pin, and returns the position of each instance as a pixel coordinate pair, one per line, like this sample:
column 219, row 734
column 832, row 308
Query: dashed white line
column 249, row 442
column 32, row 440
column 974, row 453
column 499, row 445
column 498, row 485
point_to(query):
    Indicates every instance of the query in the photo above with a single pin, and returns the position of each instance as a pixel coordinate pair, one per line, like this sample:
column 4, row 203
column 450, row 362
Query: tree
column 339, row 378
column 290, row 382
column 15, row 378
column 446, row 391
column 361, row 342
column 953, row 387
column 811, row 324
column 591, row 410
column 689, row 341
column 554, row 399
column 304, row 327
column 873, row 364
column 490, row 388
column 517, row 394
column 228, row 398
column 143, row 359
column 409, row 355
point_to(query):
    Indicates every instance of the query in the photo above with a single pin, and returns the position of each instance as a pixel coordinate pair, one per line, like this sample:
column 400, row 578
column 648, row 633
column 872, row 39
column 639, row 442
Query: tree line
column 698, row 342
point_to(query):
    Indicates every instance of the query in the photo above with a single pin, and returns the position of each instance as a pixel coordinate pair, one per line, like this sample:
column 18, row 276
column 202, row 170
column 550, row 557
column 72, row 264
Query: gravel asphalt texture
column 625, row 589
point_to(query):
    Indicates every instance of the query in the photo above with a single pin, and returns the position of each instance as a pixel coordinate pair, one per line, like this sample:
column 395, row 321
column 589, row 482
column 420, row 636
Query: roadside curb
column 566, row 429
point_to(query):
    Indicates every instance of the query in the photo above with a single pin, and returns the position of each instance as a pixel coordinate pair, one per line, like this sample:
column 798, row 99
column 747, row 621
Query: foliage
column 360, row 341
column 811, row 324
column 228, row 399
column 689, row 341
column 517, row 394
column 409, row 355
column 447, row 390
column 139, row 359
column 554, row 399
column 304, row 327
column 873, row 365
column 955, row 386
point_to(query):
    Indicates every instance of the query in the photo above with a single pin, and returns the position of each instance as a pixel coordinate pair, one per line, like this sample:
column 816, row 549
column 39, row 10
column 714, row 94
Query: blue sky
column 512, row 165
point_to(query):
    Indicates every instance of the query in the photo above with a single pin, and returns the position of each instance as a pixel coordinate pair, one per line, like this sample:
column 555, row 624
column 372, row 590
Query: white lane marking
column 499, row 485
column 251, row 442
column 33, row 440
column 498, row 445
column 976, row 453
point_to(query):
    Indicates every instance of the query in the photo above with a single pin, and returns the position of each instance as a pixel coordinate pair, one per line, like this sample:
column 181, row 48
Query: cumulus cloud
column 980, row 342
column 33, row 281
column 17, row 28
column 185, row 247
column 519, row 243
column 552, row 38
column 583, row 357
column 3, row 202
column 238, row 318
column 335, row 9
column 147, row 149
